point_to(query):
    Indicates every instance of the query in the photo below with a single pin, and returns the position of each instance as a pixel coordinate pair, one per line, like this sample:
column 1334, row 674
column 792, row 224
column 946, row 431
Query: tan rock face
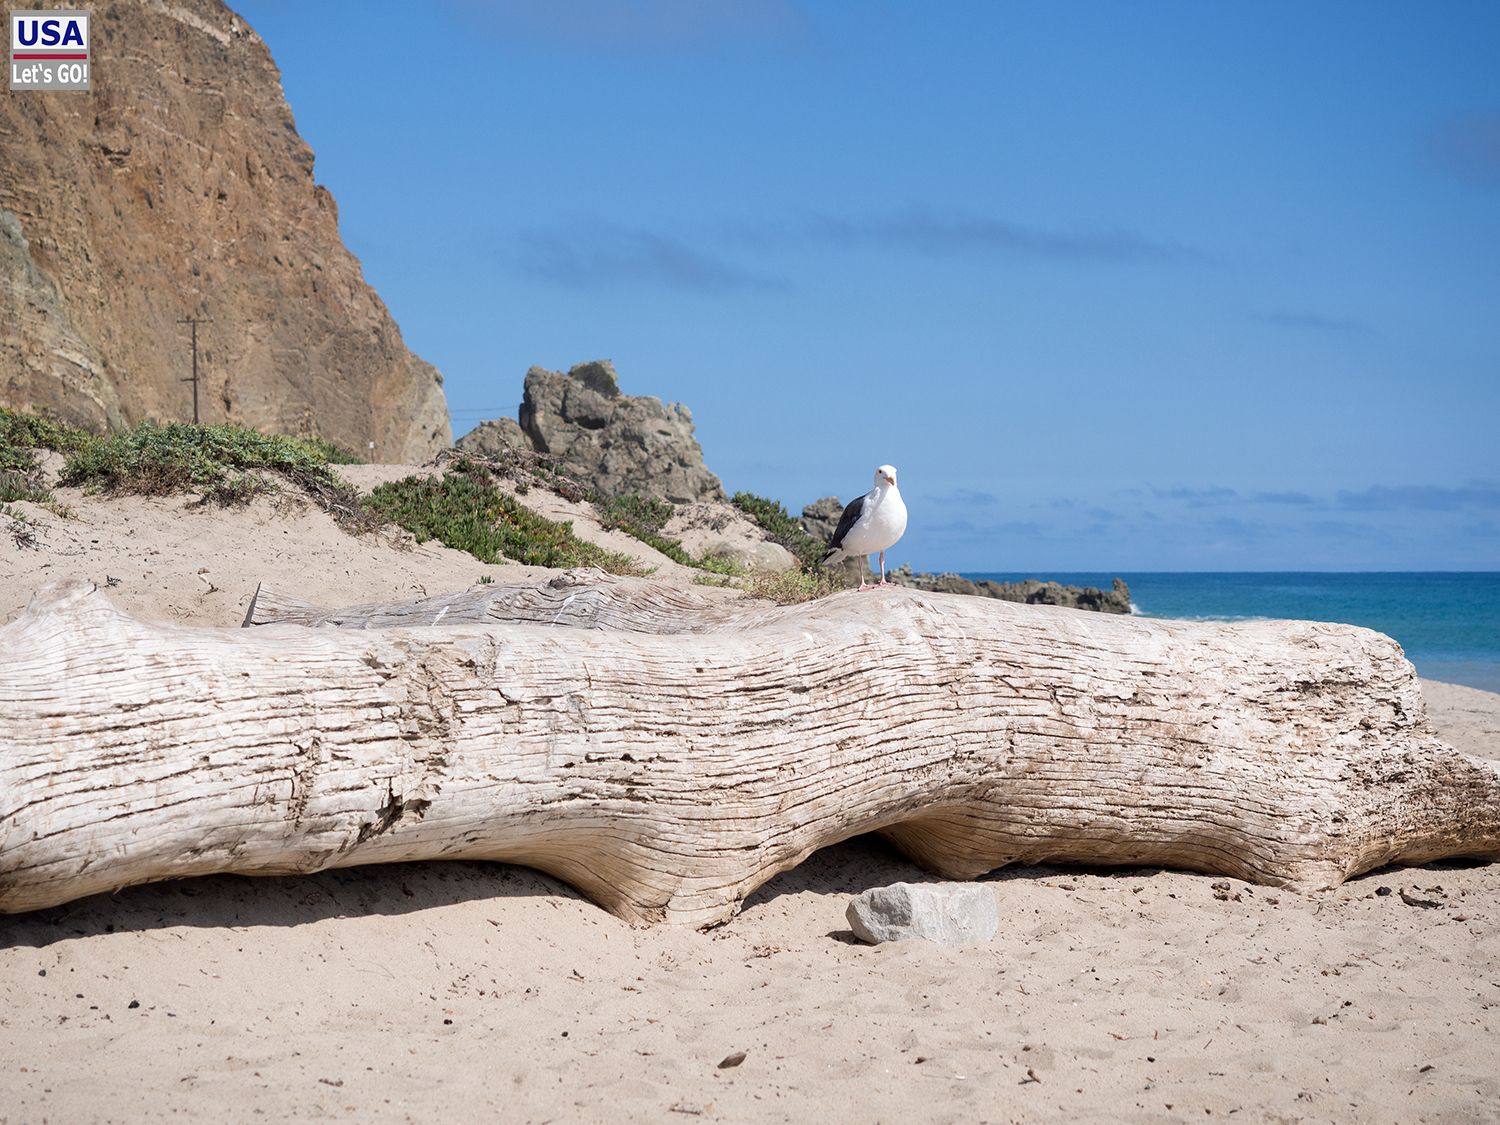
column 179, row 187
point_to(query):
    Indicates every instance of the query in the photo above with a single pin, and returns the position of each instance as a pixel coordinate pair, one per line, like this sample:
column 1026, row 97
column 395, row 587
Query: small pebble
column 134, row 1004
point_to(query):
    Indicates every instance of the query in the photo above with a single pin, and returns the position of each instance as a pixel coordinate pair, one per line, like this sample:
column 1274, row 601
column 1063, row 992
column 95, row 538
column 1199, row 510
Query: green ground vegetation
column 333, row 454
column 644, row 517
column 464, row 509
column 525, row 470
column 810, row 580
column 223, row 464
column 783, row 529
column 21, row 437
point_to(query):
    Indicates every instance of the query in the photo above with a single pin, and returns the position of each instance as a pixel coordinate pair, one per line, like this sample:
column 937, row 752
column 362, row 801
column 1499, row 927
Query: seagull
column 871, row 523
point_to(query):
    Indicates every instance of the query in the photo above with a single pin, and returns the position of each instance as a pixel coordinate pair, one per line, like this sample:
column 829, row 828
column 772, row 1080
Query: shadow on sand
column 244, row 901
column 292, row 900
column 840, row 870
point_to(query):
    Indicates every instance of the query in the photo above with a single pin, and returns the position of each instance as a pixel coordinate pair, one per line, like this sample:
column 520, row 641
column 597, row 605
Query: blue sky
column 1115, row 286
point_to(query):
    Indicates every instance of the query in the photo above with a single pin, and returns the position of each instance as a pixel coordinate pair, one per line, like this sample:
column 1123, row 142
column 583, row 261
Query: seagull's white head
column 884, row 475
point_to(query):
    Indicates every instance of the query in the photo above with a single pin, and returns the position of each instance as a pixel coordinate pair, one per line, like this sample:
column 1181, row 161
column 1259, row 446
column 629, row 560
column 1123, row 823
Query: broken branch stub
column 667, row 775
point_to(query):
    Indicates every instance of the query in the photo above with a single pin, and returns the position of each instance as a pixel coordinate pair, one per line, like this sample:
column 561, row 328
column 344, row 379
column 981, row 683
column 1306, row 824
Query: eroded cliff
column 180, row 187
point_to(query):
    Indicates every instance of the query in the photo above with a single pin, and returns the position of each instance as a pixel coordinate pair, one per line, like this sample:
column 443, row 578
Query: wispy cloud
column 1482, row 530
column 924, row 231
column 1314, row 322
column 599, row 254
column 1476, row 496
column 1196, row 497
column 1420, row 497
column 603, row 255
column 1292, row 499
column 1349, row 531
column 968, row 497
column 1467, row 147
column 640, row 26
column 968, row 529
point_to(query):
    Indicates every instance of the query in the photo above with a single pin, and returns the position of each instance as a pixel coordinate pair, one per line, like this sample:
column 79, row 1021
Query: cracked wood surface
column 667, row 775
column 586, row 597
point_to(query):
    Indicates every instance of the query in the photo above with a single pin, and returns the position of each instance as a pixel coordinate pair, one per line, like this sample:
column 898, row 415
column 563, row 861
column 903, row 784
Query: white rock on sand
column 947, row 913
column 472, row 991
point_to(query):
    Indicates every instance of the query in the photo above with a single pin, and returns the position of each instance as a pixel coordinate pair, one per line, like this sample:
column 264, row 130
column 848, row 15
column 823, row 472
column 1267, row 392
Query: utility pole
column 194, row 321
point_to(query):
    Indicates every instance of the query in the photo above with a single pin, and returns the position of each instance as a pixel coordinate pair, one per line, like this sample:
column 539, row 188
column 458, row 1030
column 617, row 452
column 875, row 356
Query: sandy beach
column 473, row 991
column 1202, row 293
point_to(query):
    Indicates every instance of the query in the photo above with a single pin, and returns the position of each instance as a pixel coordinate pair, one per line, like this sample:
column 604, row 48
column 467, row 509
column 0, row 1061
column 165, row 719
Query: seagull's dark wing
column 852, row 512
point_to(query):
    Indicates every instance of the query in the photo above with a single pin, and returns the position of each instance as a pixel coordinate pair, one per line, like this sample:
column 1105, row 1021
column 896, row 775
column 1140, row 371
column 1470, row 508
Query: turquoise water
column 1447, row 622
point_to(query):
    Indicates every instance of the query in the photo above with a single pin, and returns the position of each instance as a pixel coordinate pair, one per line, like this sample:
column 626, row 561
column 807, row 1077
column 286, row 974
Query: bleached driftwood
column 668, row 776
column 586, row 598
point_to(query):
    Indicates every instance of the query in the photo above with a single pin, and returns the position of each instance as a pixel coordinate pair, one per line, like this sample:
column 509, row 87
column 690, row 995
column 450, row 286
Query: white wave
column 1217, row 618
column 1227, row 618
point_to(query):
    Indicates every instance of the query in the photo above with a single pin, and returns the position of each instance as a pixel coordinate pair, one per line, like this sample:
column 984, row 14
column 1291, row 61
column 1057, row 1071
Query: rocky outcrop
column 614, row 442
column 493, row 438
column 821, row 518
column 1030, row 592
column 179, row 187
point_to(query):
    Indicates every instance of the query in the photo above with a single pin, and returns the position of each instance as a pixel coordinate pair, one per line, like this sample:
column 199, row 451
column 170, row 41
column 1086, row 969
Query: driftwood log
column 586, row 598
column 667, row 773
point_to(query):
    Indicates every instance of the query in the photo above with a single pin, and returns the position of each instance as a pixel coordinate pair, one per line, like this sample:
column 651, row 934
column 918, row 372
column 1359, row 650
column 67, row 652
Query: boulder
column 614, row 442
column 821, row 518
column 947, row 913
column 493, row 438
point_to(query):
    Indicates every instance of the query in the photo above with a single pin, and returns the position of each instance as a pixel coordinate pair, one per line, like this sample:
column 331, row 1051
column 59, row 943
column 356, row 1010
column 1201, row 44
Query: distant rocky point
column 1031, row 592
column 821, row 518
column 617, row 443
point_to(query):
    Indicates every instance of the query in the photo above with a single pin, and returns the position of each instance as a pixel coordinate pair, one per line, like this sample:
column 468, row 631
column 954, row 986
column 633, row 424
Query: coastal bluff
column 179, row 187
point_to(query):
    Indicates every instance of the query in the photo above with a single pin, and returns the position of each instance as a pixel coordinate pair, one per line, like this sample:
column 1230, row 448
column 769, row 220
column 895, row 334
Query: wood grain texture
column 667, row 775
column 586, row 597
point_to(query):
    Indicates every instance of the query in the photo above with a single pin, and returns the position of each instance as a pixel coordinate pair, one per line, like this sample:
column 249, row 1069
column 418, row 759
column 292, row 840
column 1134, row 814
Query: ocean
column 1447, row 622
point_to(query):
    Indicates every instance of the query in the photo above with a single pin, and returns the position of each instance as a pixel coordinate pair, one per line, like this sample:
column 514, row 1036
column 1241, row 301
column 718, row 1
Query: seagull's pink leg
column 883, row 582
column 864, row 562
